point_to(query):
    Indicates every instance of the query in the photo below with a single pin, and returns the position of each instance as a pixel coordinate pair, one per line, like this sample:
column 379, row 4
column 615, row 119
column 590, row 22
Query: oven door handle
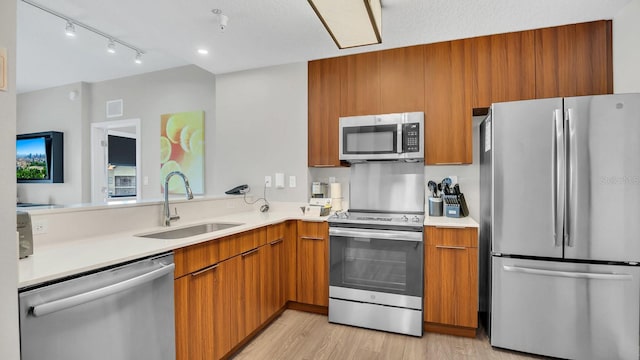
column 376, row 234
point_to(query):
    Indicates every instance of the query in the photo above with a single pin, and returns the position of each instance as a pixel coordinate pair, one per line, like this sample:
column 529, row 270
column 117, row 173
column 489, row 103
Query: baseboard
column 450, row 330
column 316, row 309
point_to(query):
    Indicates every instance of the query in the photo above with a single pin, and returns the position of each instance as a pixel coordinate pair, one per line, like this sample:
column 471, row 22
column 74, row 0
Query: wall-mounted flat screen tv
column 39, row 157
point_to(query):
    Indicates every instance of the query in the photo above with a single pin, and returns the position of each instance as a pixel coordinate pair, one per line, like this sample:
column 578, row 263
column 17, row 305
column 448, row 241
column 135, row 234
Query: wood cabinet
column 574, row 60
column 202, row 303
column 360, row 84
column 503, row 68
column 451, row 280
column 324, row 111
column 245, row 294
column 447, row 118
column 274, row 271
column 313, row 263
column 402, row 80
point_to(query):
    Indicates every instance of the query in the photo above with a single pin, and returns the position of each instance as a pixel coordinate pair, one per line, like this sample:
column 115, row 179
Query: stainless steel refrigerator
column 560, row 226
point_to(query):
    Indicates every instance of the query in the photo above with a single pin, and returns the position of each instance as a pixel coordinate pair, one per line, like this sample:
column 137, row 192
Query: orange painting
column 182, row 149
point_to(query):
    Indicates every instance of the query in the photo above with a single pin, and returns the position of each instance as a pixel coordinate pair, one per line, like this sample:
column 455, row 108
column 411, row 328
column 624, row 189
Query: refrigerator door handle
column 558, row 177
column 568, row 274
column 573, row 154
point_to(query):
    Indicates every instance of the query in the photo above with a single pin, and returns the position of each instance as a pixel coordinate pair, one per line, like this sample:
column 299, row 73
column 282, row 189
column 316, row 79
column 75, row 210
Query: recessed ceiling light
column 203, row 51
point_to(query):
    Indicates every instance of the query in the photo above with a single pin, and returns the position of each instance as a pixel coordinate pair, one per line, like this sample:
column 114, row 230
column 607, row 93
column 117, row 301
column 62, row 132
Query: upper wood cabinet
column 402, row 80
column 447, row 76
column 574, row 60
column 360, row 84
column 324, row 111
column 503, row 68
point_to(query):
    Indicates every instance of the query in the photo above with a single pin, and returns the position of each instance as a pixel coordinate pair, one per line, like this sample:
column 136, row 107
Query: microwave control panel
column 410, row 137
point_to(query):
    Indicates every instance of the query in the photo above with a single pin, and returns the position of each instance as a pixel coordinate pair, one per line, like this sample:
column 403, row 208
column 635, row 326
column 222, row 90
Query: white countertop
column 445, row 221
column 57, row 261
column 63, row 259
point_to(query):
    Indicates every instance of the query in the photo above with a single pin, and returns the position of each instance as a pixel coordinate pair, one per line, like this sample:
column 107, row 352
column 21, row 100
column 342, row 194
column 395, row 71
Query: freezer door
column 527, row 156
column 565, row 310
column 603, row 205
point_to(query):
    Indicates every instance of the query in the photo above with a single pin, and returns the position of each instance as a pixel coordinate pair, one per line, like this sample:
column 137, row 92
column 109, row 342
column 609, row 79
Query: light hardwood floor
column 304, row 336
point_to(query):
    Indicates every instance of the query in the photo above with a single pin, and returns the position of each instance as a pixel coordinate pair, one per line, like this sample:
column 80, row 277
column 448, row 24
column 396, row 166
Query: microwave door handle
column 399, row 142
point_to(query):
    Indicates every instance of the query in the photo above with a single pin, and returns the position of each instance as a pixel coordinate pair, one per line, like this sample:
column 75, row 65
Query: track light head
column 138, row 59
column 111, row 47
column 70, row 29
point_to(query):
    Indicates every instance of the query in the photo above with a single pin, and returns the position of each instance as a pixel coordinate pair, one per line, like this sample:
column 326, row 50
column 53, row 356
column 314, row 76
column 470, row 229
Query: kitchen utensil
column 433, row 187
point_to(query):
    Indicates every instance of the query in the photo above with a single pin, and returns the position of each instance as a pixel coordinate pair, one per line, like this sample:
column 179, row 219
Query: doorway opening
column 116, row 169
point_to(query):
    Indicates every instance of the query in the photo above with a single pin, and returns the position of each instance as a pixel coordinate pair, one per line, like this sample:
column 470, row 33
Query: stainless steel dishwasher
column 124, row 312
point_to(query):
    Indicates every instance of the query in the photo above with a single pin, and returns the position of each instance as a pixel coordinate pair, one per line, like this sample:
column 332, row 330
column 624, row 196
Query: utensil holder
column 435, row 206
column 455, row 206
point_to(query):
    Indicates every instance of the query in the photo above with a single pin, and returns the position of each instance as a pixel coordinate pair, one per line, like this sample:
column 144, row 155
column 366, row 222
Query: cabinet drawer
column 450, row 236
column 313, row 230
column 199, row 256
column 276, row 232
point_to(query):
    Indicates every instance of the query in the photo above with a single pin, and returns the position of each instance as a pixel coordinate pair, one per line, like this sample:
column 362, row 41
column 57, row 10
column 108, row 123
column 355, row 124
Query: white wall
column 147, row 97
column 9, row 345
column 626, row 52
column 53, row 110
column 261, row 129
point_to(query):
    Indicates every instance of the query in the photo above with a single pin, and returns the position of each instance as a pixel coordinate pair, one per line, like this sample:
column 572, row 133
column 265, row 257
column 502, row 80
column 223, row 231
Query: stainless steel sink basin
column 187, row 231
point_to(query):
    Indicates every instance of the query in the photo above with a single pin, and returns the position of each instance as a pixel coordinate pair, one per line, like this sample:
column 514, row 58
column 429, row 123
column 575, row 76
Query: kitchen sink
column 187, row 231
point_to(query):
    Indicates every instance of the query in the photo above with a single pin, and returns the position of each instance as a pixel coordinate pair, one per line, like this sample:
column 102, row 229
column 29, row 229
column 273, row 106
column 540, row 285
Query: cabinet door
column 451, row 276
column 245, row 294
column 402, row 79
column 324, row 111
column 574, row 60
column 202, row 306
column 448, row 112
column 360, row 84
column 313, row 263
column 503, row 68
column 272, row 286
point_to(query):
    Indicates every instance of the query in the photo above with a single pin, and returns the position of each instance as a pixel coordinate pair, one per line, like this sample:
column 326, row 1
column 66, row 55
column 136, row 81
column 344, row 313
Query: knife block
column 455, row 206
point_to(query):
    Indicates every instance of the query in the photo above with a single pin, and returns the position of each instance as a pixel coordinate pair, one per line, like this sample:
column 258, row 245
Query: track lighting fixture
column 222, row 18
column 111, row 47
column 70, row 30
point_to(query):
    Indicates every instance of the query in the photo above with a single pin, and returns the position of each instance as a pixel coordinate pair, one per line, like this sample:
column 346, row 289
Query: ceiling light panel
column 351, row 23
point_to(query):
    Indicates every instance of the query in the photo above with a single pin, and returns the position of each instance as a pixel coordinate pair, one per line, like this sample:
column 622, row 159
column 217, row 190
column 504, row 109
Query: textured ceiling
column 259, row 33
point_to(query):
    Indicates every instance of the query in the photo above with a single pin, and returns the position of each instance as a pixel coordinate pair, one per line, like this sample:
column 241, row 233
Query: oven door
column 387, row 264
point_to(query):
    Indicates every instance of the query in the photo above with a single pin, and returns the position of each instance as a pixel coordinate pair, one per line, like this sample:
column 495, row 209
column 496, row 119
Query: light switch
column 279, row 180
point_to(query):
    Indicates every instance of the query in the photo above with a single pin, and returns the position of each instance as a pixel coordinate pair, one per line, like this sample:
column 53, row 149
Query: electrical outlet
column 267, row 181
column 40, row 226
column 292, row 181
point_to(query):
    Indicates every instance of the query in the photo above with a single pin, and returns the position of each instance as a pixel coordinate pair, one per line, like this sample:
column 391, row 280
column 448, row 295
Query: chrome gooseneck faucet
column 167, row 213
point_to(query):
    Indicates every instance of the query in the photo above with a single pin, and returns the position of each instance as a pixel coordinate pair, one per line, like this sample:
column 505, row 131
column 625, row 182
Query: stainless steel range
column 376, row 249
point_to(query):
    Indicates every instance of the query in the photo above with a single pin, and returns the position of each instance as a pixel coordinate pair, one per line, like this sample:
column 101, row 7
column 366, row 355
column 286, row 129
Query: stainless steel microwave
column 397, row 136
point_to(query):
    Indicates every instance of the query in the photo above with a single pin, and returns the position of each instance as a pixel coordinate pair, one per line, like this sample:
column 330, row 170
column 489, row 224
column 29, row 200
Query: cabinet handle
column 323, row 165
column 449, row 163
column 208, row 268
column 311, row 238
column 451, row 247
column 275, row 242
column 249, row 252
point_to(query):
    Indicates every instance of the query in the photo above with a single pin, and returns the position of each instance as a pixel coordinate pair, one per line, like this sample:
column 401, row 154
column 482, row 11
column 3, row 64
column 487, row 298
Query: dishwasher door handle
column 75, row 300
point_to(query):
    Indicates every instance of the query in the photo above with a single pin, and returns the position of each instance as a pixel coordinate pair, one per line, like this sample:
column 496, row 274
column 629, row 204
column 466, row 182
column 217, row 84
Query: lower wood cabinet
column 203, row 313
column 245, row 294
column 313, row 263
column 451, row 280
